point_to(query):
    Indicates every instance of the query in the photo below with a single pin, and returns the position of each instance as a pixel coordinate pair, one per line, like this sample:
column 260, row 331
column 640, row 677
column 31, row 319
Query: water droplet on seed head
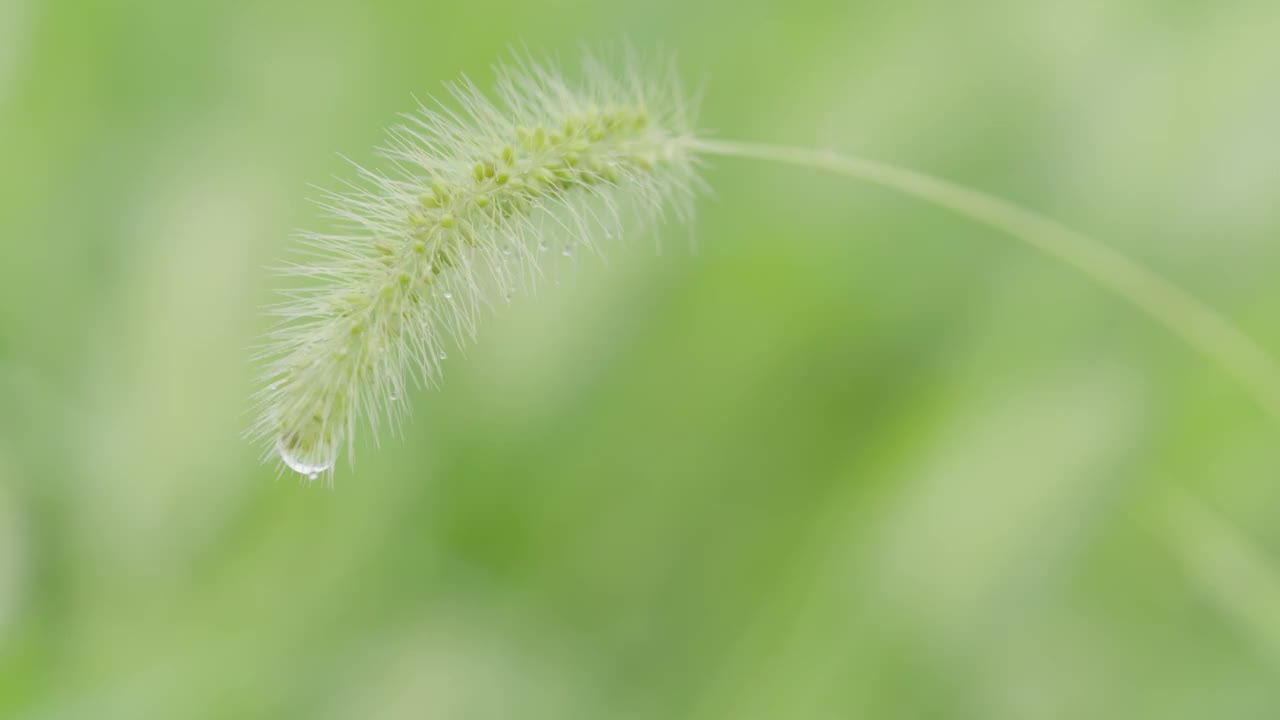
column 303, row 466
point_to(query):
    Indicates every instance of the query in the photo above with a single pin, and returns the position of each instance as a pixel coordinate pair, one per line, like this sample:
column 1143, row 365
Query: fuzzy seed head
column 475, row 193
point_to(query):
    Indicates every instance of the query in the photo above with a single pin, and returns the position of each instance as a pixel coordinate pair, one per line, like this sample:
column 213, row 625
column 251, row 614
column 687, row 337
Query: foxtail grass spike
column 477, row 193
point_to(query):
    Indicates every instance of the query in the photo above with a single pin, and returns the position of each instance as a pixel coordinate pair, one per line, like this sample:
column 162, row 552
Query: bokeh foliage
column 851, row 457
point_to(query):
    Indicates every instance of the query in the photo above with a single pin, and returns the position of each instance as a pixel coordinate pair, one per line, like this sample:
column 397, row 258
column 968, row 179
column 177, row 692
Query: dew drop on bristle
column 444, row 355
column 311, row 469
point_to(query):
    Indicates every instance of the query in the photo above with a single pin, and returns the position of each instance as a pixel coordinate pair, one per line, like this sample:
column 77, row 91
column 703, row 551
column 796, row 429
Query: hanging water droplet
column 566, row 251
column 444, row 355
column 303, row 466
column 448, row 295
column 543, row 247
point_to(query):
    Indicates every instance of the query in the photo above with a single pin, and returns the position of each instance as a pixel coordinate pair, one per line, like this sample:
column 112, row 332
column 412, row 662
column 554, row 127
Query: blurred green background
column 851, row 457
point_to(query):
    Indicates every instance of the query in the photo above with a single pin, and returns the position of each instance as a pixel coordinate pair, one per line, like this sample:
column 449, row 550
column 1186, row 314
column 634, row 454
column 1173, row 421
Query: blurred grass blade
column 1230, row 569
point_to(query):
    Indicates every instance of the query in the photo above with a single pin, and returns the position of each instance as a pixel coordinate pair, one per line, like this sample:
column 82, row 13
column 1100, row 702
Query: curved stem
column 1199, row 325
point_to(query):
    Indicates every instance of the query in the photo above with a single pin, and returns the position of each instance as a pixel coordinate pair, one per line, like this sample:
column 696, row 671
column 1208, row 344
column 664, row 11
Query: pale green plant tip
column 476, row 194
